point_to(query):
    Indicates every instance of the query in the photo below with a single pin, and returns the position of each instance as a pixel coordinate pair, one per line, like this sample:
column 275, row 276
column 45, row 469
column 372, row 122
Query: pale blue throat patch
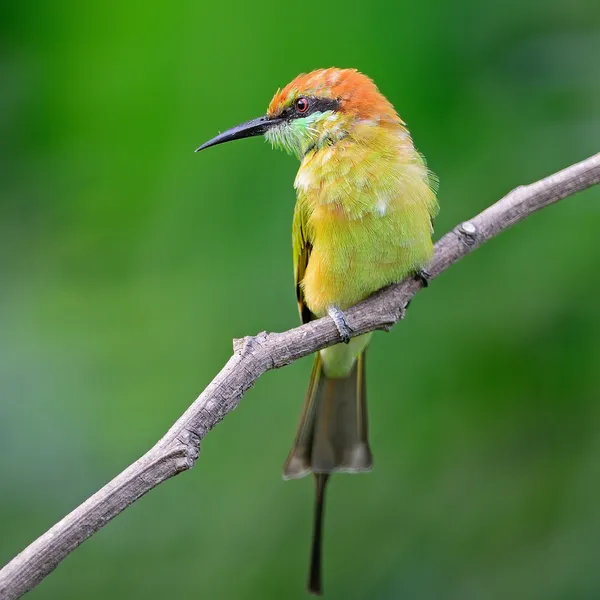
column 300, row 135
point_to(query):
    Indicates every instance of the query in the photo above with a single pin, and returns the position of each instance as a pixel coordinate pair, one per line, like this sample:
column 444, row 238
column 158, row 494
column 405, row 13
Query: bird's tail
column 331, row 437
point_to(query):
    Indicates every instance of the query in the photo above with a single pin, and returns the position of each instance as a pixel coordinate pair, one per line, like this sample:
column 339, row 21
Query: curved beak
column 248, row 129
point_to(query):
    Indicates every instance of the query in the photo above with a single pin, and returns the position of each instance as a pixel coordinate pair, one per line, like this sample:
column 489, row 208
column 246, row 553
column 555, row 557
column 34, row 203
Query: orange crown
column 356, row 93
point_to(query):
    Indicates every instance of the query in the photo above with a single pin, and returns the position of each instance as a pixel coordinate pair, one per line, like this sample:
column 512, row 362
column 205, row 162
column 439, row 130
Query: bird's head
column 316, row 110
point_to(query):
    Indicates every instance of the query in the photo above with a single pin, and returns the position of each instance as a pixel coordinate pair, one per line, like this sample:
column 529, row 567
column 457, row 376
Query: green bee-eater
column 363, row 219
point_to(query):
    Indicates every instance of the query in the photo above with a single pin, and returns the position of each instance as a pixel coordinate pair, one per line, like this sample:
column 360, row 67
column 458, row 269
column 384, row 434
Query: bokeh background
column 128, row 263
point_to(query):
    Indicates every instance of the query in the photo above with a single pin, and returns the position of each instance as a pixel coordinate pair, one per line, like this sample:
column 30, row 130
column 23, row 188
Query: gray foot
column 423, row 275
column 339, row 319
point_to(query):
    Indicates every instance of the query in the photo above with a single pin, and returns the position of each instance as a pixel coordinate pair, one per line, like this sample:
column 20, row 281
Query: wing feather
column 302, row 248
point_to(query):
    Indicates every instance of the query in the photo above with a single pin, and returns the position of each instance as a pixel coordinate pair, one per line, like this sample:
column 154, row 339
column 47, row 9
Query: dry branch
column 178, row 450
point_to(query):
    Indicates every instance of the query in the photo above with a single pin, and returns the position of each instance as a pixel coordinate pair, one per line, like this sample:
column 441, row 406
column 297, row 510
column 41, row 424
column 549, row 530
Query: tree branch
column 178, row 450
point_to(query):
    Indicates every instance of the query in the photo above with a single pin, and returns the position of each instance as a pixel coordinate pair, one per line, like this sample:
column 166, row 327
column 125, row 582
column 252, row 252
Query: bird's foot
column 423, row 275
column 339, row 318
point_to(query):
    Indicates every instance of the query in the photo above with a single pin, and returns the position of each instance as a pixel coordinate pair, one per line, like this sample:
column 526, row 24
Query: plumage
column 365, row 198
column 363, row 219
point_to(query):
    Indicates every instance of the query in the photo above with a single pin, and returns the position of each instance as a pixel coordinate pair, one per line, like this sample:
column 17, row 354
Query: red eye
column 302, row 105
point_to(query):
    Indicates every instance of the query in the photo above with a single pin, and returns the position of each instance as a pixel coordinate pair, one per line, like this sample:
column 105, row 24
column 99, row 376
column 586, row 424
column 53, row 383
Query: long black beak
column 248, row 129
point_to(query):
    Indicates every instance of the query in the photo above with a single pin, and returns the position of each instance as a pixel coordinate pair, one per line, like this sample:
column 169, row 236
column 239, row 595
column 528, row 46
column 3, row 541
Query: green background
column 128, row 263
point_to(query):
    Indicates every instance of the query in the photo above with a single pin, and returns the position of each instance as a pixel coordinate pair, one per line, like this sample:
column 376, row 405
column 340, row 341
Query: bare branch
column 178, row 450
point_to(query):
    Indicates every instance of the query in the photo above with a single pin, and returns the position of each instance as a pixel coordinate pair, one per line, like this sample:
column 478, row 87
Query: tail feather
column 332, row 436
column 314, row 576
column 333, row 432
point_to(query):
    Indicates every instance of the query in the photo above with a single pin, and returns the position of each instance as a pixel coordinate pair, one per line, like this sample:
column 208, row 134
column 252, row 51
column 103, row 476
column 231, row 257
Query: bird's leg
column 423, row 275
column 339, row 318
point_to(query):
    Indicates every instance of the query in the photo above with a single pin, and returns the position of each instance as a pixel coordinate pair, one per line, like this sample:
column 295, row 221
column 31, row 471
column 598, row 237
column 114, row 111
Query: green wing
column 302, row 248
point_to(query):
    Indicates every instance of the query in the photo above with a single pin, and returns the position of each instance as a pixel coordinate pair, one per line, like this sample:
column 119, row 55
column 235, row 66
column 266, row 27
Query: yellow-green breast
column 365, row 205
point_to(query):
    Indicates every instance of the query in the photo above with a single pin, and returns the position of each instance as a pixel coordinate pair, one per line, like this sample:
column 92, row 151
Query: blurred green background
column 128, row 263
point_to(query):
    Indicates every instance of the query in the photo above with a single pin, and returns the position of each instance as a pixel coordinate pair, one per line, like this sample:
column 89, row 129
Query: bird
column 363, row 219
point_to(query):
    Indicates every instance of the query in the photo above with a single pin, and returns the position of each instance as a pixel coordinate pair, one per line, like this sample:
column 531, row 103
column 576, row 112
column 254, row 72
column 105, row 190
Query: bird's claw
column 423, row 276
column 339, row 318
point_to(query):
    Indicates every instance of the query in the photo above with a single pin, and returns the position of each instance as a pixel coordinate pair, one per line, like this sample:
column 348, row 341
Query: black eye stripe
column 314, row 105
